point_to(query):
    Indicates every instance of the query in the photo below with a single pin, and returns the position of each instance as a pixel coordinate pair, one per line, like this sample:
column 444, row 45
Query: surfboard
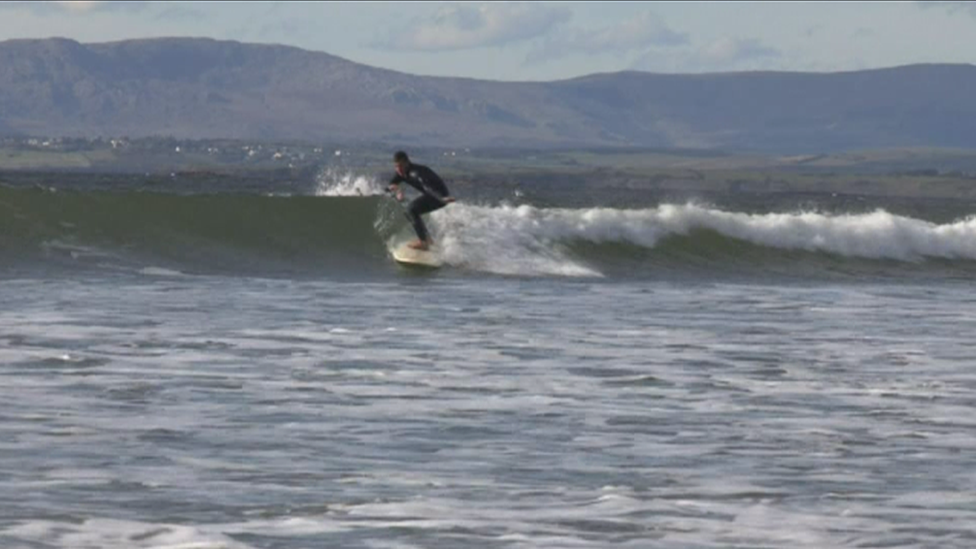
column 419, row 258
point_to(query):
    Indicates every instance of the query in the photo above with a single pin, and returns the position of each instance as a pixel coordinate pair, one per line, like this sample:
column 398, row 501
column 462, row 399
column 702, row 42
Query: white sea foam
column 159, row 271
column 110, row 533
column 336, row 182
column 527, row 240
column 538, row 414
column 506, row 240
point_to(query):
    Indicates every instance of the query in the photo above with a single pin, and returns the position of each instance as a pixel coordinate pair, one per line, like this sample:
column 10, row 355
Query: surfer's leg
column 419, row 206
column 417, row 221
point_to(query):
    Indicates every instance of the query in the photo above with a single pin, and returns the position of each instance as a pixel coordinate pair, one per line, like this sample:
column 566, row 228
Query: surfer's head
column 402, row 162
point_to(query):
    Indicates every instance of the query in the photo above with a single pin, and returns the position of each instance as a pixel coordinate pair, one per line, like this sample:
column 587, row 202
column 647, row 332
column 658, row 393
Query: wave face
column 203, row 233
column 333, row 233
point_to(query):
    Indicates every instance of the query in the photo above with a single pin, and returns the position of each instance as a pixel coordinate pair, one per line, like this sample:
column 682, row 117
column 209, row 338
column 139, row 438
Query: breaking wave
column 335, row 232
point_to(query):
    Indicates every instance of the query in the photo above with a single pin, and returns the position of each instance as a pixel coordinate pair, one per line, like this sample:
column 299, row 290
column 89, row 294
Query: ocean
column 209, row 366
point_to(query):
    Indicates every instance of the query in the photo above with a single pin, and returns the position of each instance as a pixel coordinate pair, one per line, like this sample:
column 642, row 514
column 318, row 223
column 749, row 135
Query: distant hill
column 203, row 88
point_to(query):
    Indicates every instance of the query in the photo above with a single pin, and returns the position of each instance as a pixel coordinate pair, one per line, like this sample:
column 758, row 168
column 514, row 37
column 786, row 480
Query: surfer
column 434, row 194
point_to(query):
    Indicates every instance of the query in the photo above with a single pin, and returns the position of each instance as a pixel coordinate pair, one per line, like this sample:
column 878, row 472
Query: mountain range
column 196, row 88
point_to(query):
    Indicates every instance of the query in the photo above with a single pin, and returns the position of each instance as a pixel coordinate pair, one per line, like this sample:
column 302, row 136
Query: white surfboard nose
column 412, row 256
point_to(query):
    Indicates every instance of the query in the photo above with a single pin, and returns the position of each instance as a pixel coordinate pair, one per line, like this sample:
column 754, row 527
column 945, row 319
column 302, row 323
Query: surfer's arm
column 394, row 186
column 443, row 199
column 395, row 182
column 398, row 179
column 429, row 175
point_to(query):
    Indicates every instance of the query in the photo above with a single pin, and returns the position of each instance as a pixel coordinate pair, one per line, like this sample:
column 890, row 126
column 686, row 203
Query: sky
column 542, row 41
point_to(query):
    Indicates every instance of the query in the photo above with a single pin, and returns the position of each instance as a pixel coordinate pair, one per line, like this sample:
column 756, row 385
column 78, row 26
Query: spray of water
column 334, row 181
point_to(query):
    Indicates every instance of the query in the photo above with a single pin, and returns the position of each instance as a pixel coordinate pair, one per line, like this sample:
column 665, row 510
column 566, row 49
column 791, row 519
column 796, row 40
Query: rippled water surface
column 430, row 410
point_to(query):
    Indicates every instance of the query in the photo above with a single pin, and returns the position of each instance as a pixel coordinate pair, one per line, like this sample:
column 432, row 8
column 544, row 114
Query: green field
column 12, row 159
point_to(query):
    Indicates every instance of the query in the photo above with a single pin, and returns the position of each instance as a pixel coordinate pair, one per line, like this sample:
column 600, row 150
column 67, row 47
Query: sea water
column 239, row 370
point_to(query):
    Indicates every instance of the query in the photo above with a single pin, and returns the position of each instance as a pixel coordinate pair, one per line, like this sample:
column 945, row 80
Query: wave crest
column 355, row 233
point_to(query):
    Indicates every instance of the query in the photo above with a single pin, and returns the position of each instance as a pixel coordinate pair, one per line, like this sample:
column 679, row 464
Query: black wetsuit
column 433, row 190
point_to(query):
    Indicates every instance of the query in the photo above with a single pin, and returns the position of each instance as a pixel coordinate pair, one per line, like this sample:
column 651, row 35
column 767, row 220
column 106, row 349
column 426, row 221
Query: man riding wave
column 434, row 195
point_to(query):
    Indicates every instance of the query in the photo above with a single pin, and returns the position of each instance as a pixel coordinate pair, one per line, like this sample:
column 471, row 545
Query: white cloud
column 951, row 7
column 467, row 26
column 62, row 7
column 180, row 13
column 726, row 54
column 731, row 51
column 639, row 33
column 282, row 30
column 79, row 5
column 813, row 30
column 36, row 8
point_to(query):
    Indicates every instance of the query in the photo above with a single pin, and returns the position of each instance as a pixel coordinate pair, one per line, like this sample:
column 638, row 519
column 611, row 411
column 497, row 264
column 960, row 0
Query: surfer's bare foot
column 419, row 245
